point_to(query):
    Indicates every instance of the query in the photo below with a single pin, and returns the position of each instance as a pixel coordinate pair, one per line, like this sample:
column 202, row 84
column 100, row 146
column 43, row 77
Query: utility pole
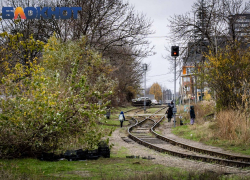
column 195, row 83
column 145, row 67
column 202, row 40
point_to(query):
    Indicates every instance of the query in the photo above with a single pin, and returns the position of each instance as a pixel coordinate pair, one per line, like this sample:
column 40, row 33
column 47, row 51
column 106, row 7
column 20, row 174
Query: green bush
column 44, row 107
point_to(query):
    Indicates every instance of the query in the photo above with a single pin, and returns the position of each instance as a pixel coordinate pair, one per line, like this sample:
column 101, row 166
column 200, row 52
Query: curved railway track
column 143, row 132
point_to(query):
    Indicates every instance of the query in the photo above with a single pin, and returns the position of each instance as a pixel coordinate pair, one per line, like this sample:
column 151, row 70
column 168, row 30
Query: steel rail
column 227, row 162
column 196, row 149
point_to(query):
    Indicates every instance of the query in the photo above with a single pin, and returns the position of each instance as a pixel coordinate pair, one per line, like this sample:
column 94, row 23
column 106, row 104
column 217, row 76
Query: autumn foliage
column 227, row 73
column 47, row 103
column 156, row 90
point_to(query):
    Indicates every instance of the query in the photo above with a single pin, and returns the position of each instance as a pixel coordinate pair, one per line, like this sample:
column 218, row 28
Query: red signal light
column 175, row 51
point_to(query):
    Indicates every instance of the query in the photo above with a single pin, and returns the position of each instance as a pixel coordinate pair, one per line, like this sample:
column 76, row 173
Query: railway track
column 143, row 132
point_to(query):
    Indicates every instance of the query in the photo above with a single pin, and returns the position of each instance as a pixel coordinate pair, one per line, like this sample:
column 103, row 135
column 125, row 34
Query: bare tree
column 206, row 27
column 210, row 26
column 115, row 30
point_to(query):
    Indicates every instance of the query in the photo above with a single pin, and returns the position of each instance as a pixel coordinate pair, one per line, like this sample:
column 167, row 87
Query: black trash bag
column 93, row 154
column 82, row 155
column 103, row 149
column 71, row 155
column 49, row 157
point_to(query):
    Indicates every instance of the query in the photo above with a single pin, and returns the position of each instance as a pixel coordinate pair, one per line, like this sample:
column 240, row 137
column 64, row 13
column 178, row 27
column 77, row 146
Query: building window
column 186, row 79
column 188, row 88
column 190, row 70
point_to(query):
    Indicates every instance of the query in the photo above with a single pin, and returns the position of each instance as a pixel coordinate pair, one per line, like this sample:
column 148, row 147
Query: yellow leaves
column 52, row 103
column 4, row 34
column 156, row 90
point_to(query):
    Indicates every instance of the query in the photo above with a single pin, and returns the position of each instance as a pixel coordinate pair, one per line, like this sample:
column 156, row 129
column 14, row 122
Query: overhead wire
column 159, row 75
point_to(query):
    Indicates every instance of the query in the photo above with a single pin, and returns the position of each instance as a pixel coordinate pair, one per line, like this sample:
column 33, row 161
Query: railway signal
column 175, row 51
column 175, row 54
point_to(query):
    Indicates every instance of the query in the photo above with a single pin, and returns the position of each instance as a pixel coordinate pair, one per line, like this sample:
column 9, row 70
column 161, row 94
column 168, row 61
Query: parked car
column 154, row 101
column 140, row 101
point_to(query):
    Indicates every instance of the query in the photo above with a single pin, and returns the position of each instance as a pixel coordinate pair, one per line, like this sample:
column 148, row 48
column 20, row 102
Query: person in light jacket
column 121, row 118
column 192, row 115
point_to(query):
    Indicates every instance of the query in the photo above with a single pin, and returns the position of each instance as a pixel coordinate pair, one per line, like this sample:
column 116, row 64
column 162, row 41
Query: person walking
column 192, row 115
column 172, row 104
column 169, row 113
column 121, row 118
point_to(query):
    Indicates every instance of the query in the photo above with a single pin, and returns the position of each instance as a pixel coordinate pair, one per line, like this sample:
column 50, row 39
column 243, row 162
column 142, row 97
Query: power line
column 159, row 75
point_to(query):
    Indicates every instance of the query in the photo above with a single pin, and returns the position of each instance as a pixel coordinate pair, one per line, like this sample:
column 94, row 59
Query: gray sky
column 159, row 11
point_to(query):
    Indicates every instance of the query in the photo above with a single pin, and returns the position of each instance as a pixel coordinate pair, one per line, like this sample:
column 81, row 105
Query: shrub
column 42, row 109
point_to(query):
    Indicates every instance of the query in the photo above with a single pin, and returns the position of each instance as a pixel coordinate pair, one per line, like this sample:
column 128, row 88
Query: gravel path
column 170, row 161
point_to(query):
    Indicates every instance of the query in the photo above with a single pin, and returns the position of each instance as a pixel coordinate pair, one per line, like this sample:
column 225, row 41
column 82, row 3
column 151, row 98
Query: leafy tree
column 15, row 50
column 46, row 105
column 156, row 90
column 227, row 75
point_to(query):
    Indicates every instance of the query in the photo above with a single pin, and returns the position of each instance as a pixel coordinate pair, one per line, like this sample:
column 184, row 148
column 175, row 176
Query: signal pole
column 175, row 54
column 174, row 90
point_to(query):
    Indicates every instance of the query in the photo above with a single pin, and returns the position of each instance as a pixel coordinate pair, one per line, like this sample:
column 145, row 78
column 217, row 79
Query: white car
column 154, row 101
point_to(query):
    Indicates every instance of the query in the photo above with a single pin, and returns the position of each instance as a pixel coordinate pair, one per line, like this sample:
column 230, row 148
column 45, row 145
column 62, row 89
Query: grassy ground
column 152, row 110
column 114, row 121
column 116, row 167
column 203, row 133
column 124, row 109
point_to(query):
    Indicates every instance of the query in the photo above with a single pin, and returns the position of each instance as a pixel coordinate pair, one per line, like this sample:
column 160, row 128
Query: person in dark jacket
column 169, row 113
column 121, row 118
column 192, row 115
column 172, row 104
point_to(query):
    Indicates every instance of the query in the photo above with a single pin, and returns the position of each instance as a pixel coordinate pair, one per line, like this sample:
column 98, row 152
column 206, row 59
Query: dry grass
column 201, row 110
column 234, row 126
column 230, row 125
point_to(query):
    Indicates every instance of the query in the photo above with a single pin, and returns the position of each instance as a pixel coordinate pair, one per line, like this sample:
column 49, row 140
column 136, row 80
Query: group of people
column 169, row 113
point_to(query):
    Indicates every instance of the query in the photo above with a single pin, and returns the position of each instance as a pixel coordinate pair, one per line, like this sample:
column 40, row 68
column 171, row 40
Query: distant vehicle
column 140, row 101
column 159, row 102
column 154, row 101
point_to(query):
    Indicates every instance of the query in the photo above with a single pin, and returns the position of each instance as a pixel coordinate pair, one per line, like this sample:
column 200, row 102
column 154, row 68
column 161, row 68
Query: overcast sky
column 159, row 11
